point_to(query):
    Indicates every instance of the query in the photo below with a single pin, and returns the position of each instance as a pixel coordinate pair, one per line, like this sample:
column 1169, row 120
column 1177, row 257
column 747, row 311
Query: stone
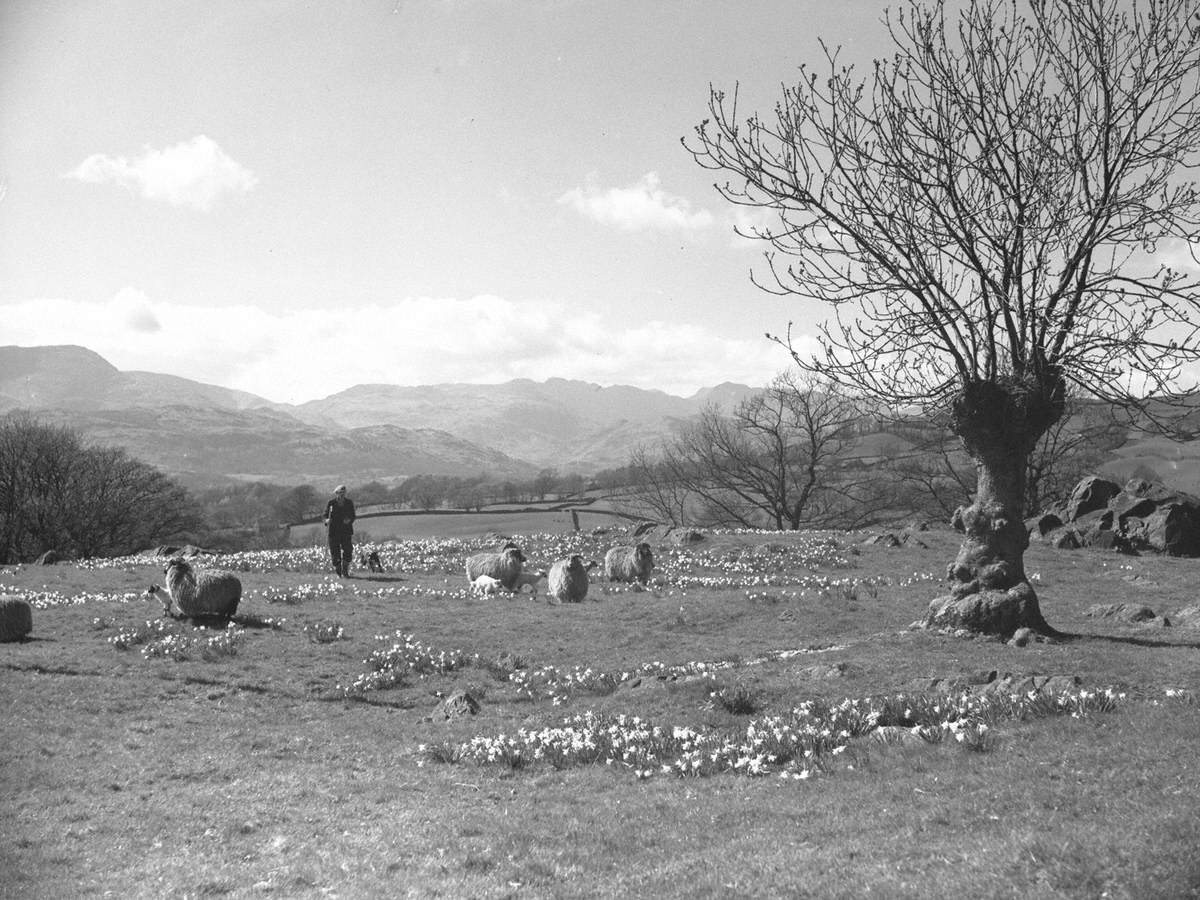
column 1188, row 617
column 459, row 703
column 1090, row 494
column 1021, row 637
column 1065, row 539
column 1040, row 526
column 681, row 536
column 1174, row 529
column 1122, row 612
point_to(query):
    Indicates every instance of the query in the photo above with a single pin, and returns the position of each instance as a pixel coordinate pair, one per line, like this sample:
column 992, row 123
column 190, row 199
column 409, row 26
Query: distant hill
column 203, row 433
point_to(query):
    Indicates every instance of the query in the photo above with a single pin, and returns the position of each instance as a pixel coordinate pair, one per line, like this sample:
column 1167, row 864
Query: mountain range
column 204, row 434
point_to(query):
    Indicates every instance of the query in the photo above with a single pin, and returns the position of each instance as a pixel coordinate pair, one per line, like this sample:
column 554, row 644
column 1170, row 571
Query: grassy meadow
column 759, row 721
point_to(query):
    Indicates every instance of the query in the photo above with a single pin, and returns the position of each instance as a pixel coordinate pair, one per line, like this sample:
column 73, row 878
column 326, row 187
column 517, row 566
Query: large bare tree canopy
column 990, row 201
column 986, row 212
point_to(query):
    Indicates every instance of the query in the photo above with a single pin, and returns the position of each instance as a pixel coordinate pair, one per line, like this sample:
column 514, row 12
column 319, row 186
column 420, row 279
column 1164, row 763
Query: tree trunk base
column 989, row 611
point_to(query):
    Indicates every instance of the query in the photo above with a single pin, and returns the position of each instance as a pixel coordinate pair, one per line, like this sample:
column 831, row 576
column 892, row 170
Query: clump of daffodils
column 798, row 745
column 405, row 657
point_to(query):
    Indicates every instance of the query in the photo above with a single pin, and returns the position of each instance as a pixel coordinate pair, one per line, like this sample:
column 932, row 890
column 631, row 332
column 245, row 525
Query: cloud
column 644, row 205
column 193, row 173
column 304, row 354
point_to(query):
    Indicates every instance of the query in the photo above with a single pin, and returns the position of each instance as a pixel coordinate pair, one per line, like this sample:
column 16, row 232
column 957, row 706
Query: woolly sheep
column 485, row 584
column 568, row 580
column 504, row 566
column 205, row 594
column 16, row 619
column 629, row 563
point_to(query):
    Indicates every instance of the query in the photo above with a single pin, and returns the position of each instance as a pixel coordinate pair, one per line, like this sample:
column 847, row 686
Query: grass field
column 759, row 722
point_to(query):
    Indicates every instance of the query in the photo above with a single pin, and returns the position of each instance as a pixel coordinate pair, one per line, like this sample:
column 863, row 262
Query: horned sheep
column 204, row 594
column 504, row 566
column 629, row 563
column 568, row 580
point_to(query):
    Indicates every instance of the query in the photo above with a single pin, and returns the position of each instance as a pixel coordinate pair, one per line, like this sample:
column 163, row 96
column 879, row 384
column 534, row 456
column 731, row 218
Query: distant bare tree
column 769, row 462
column 983, row 213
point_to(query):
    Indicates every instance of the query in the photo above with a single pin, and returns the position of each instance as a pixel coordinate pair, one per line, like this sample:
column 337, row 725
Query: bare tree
column 984, row 213
column 771, row 461
column 58, row 494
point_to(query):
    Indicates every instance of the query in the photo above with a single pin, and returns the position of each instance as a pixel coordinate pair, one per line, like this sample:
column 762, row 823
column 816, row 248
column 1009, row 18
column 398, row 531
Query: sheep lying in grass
column 629, row 563
column 16, row 619
column 568, row 580
column 209, row 595
column 528, row 582
column 485, row 585
column 504, row 566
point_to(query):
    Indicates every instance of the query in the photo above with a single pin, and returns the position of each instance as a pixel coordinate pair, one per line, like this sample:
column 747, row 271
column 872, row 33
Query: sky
column 290, row 198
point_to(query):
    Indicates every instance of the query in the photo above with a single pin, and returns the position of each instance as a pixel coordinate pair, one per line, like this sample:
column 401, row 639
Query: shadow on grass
column 384, row 577
column 1070, row 637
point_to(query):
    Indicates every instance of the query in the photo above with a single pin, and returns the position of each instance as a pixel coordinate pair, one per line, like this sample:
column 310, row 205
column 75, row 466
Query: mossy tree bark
column 999, row 423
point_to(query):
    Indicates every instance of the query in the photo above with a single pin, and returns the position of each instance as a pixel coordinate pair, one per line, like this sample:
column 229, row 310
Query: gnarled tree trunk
column 999, row 422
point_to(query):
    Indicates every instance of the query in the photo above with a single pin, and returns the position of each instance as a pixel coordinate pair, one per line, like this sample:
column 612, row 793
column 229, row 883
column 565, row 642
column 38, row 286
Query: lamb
column 210, row 595
column 484, row 585
column 371, row 561
column 629, row 563
column 504, row 566
column 529, row 580
column 568, row 580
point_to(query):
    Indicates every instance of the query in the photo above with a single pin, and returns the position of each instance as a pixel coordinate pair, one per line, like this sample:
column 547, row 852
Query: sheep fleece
column 504, row 567
column 568, row 580
column 629, row 563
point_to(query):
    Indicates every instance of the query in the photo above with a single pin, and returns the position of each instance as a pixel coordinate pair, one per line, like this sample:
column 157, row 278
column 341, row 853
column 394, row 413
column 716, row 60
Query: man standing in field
column 339, row 519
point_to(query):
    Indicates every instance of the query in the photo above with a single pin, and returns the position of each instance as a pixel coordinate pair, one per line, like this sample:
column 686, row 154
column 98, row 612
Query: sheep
column 530, row 581
column 199, row 594
column 568, row 580
column 484, row 585
column 629, row 563
column 504, row 566
column 16, row 619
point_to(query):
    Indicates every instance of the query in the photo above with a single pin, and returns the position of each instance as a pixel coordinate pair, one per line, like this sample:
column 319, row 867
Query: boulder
column 683, row 536
column 1122, row 612
column 1174, row 528
column 459, row 703
column 1040, row 526
column 1090, row 494
column 1065, row 539
column 1188, row 617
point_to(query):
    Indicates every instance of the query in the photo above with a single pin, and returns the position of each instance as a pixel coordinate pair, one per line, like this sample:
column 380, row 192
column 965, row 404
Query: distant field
column 415, row 526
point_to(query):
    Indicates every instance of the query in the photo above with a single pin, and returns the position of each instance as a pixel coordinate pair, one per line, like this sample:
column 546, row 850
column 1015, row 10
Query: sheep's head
column 179, row 564
column 642, row 551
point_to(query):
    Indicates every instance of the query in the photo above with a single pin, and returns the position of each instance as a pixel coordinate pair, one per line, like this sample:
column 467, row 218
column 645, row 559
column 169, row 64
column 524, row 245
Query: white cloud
column 193, row 173
column 642, row 205
column 305, row 354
